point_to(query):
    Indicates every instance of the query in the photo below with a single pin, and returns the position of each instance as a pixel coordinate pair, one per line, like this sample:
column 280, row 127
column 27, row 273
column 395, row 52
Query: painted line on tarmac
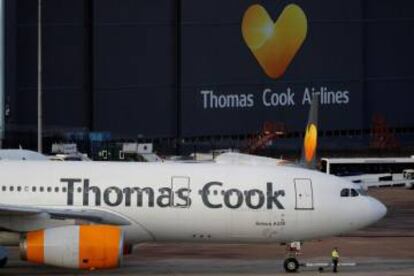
column 328, row 264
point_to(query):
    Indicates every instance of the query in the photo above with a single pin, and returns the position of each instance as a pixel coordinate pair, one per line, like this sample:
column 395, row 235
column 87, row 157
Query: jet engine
column 75, row 246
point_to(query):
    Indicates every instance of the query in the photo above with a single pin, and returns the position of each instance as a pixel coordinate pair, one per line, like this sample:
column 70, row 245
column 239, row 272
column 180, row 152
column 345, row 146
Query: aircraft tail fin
column 310, row 141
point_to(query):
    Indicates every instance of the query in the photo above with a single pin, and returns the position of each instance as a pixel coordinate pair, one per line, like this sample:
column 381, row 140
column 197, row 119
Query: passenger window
column 41, row 189
column 49, row 189
column 34, row 189
column 56, row 189
column 3, row 188
column 345, row 193
column 11, row 188
column 19, row 188
column 354, row 193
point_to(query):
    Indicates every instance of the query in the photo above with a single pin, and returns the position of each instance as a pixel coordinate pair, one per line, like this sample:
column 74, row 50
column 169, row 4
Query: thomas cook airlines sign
column 274, row 45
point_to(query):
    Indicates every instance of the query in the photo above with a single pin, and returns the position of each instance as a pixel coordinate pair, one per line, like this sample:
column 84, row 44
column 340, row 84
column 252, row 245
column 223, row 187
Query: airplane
column 88, row 215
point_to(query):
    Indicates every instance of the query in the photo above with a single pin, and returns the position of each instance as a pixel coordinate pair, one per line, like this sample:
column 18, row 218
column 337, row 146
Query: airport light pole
column 39, row 76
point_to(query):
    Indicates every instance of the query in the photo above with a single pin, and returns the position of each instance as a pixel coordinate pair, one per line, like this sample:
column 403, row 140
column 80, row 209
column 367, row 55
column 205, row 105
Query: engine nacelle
column 75, row 246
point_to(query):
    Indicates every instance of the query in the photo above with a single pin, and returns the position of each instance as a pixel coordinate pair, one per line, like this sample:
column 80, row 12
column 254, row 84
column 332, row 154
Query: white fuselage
column 205, row 202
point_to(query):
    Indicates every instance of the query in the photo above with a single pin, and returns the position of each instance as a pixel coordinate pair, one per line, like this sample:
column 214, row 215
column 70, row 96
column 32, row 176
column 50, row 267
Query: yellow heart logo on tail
column 310, row 142
column 274, row 44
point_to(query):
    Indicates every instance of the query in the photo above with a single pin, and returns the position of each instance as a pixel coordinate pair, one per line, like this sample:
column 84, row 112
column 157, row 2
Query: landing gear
column 3, row 257
column 291, row 264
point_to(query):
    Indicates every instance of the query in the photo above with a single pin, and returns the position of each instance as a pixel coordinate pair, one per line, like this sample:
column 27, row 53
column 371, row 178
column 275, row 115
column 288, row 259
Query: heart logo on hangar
column 274, row 44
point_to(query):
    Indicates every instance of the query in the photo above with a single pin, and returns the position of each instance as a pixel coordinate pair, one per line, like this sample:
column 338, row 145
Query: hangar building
column 195, row 70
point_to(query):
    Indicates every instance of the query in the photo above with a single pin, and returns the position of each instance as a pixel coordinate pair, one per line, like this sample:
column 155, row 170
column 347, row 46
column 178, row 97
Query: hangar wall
column 183, row 68
column 389, row 56
column 65, row 70
column 217, row 61
column 134, row 50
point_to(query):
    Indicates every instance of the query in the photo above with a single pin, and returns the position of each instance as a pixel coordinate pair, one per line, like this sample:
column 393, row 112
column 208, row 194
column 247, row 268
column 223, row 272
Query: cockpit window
column 350, row 192
column 354, row 193
column 345, row 193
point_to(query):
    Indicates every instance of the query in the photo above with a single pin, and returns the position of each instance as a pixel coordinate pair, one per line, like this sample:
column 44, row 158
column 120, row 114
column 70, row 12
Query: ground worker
column 335, row 259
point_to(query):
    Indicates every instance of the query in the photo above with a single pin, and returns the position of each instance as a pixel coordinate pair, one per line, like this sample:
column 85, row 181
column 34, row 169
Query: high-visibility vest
column 335, row 254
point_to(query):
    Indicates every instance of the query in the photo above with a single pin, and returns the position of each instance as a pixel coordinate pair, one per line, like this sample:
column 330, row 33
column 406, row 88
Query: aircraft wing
column 96, row 216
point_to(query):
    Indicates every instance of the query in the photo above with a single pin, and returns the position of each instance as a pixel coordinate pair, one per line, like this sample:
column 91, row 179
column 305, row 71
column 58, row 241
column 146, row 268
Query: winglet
column 310, row 141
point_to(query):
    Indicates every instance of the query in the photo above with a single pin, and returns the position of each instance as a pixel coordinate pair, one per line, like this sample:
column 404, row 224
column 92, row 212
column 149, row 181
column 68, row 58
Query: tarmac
column 386, row 248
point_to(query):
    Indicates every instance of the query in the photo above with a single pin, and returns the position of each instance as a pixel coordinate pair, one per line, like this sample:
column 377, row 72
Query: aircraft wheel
column 291, row 265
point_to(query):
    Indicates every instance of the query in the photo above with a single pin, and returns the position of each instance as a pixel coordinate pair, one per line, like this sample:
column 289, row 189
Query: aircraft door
column 180, row 191
column 304, row 194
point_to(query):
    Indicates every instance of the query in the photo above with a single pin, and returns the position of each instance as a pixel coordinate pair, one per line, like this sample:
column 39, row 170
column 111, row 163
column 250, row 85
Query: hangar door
column 304, row 194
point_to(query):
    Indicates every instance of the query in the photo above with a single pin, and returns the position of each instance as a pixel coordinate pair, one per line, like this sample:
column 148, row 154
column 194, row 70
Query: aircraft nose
column 378, row 210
